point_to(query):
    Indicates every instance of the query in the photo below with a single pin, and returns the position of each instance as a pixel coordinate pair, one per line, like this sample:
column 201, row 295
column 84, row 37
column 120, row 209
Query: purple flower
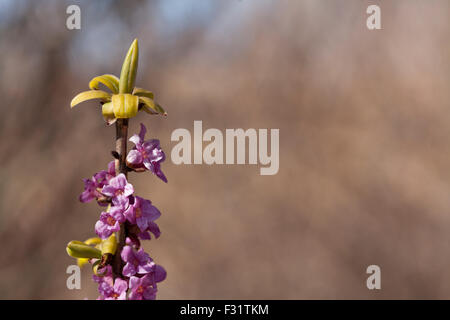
column 142, row 213
column 135, row 234
column 90, row 191
column 93, row 185
column 133, row 241
column 141, row 288
column 119, row 190
column 136, row 262
column 157, row 274
column 106, row 278
column 109, row 222
column 153, row 228
column 103, row 177
column 145, row 287
column 106, row 271
column 146, row 154
column 110, row 289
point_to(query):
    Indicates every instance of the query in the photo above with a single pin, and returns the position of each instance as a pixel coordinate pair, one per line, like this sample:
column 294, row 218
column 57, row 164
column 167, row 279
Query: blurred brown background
column 364, row 119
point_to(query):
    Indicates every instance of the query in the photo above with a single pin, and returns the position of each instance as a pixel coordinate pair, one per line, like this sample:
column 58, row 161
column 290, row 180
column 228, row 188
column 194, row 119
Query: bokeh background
column 364, row 119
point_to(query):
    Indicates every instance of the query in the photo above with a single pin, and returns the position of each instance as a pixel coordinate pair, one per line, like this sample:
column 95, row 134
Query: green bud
column 129, row 69
column 78, row 249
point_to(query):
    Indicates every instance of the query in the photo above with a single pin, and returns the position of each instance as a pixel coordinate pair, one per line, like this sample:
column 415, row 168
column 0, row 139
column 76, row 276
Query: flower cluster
column 94, row 185
column 146, row 154
column 141, row 284
column 139, row 274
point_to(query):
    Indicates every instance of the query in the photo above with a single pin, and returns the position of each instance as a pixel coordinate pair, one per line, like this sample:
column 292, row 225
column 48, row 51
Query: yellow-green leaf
column 82, row 261
column 143, row 93
column 89, row 95
column 129, row 69
column 93, row 241
column 160, row 109
column 109, row 80
column 78, row 249
column 125, row 105
column 151, row 107
column 109, row 245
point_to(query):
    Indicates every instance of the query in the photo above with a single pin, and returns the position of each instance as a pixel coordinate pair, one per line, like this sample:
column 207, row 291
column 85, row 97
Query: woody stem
column 121, row 167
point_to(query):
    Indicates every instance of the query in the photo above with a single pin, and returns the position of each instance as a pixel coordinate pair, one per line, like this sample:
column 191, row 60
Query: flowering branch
column 121, row 267
column 121, row 167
